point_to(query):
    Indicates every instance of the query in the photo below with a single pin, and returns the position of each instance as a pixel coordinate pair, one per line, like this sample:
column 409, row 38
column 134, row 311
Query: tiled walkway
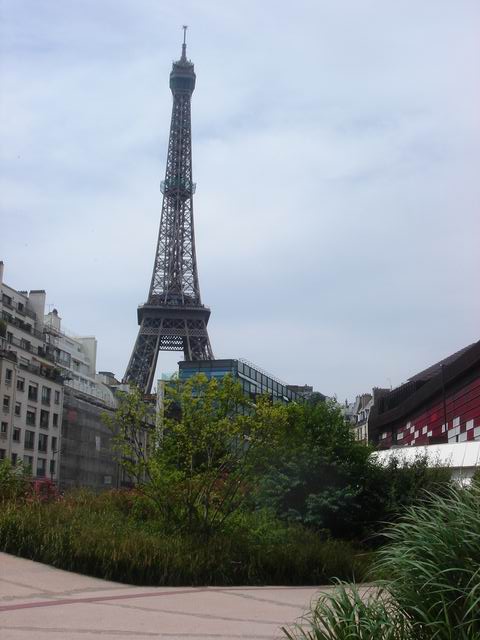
column 37, row 601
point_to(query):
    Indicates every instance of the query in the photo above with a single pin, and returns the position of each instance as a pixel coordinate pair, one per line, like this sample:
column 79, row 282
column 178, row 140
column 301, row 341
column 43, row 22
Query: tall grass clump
column 433, row 561
column 431, row 588
column 118, row 536
column 350, row 613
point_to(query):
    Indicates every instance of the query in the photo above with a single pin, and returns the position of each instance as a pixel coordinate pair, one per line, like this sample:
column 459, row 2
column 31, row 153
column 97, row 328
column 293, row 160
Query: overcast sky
column 336, row 149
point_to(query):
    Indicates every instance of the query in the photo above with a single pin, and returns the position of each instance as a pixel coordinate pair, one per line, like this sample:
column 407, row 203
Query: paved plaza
column 40, row 602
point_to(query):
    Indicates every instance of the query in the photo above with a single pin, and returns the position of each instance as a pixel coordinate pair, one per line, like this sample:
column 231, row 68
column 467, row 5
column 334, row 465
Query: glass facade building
column 254, row 380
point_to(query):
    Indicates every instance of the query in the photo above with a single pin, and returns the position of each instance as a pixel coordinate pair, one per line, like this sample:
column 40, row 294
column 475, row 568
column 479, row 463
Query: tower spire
column 174, row 318
column 184, row 45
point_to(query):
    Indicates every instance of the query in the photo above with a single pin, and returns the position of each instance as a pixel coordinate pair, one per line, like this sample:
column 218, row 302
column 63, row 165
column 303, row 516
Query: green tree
column 325, row 479
column 132, row 426
column 316, row 478
column 205, row 453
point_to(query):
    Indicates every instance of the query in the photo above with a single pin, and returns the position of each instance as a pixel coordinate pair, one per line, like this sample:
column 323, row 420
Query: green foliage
column 433, row 559
column 206, row 452
column 387, row 490
column 13, row 481
column 433, row 590
column 323, row 478
column 130, row 426
column 316, row 478
column 117, row 536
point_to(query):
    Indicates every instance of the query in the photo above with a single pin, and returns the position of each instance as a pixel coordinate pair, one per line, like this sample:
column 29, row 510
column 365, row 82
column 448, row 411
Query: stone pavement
column 40, row 602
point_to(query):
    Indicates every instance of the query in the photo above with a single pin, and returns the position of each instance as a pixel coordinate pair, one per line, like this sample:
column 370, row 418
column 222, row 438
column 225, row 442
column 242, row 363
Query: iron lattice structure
column 173, row 318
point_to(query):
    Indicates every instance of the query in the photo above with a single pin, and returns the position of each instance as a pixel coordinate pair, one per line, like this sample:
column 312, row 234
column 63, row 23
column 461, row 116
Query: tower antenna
column 184, row 45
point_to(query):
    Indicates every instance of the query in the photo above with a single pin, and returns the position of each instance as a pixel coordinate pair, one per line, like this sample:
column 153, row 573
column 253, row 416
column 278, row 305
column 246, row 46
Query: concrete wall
column 89, row 346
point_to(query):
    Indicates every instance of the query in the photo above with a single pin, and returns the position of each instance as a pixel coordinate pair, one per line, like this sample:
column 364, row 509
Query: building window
column 29, row 440
column 16, row 434
column 33, row 392
column 18, row 408
column 2, row 454
column 28, row 462
column 46, row 393
column 25, row 344
column 57, row 397
column 42, row 442
column 54, row 444
column 44, row 419
column 20, row 384
column 14, row 458
column 31, row 416
column 7, row 301
column 6, row 403
column 55, row 419
column 41, row 467
column 52, row 467
column 4, row 427
column 8, row 376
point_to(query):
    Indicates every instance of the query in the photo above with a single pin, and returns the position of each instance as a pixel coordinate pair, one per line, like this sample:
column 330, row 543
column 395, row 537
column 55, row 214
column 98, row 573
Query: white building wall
column 77, row 356
column 31, row 392
column 463, row 458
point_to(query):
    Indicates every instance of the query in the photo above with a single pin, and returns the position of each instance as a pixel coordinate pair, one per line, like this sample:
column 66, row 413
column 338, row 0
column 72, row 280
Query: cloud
column 335, row 149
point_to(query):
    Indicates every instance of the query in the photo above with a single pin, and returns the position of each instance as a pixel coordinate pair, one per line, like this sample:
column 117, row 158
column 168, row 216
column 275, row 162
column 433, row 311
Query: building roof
column 436, row 368
column 402, row 401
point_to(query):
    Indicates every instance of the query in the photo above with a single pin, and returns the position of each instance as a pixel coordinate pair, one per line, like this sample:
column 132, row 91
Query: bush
column 13, row 481
column 433, row 589
column 108, row 536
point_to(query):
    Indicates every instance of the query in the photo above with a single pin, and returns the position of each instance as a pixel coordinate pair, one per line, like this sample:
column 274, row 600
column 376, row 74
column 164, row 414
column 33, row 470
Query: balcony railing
column 46, row 372
column 19, row 324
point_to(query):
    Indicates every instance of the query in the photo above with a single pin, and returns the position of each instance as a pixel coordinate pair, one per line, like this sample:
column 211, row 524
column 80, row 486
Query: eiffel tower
column 173, row 318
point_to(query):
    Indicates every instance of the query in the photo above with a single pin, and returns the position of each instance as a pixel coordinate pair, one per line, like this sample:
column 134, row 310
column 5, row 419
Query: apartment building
column 31, row 384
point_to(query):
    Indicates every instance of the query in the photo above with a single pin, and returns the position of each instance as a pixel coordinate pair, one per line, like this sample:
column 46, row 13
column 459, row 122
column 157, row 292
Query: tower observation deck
column 173, row 318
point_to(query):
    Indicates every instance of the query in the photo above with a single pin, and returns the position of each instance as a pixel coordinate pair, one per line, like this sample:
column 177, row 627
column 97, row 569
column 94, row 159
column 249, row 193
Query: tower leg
column 143, row 362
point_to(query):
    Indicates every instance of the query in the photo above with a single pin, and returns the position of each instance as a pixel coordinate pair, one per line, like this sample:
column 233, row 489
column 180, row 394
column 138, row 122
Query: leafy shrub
column 388, row 490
